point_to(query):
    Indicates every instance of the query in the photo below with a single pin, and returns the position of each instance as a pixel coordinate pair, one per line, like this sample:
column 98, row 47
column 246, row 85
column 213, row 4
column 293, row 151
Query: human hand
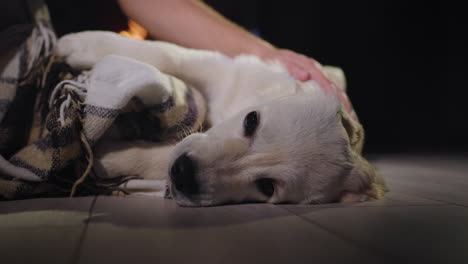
column 300, row 67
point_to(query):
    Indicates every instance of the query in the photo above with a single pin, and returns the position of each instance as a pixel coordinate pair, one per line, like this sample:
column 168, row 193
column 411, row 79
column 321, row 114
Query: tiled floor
column 424, row 219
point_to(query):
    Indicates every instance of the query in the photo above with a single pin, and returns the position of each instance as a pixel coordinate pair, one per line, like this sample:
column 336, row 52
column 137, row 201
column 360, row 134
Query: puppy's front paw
column 83, row 50
column 73, row 49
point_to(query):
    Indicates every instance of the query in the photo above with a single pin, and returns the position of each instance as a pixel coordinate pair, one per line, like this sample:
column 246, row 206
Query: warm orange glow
column 134, row 31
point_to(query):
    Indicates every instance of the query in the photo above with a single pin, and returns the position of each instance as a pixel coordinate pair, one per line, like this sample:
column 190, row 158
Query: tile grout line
column 76, row 256
column 444, row 201
column 377, row 206
column 357, row 244
column 407, row 194
column 436, row 200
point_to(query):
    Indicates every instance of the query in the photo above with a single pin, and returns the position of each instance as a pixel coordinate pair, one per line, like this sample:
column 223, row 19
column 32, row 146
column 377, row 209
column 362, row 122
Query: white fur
column 304, row 141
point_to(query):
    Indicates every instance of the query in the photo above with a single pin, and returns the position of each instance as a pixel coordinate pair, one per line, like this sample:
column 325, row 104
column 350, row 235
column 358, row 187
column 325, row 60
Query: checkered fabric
column 51, row 116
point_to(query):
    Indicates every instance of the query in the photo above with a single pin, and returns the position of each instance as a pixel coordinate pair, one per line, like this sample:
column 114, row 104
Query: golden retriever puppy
column 272, row 139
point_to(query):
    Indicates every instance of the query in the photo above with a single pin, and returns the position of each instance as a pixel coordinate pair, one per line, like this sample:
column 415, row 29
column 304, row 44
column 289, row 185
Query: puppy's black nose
column 183, row 173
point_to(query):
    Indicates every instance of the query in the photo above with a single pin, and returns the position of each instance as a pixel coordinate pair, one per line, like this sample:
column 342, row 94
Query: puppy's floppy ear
column 354, row 131
column 363, row 181
column 335, row 74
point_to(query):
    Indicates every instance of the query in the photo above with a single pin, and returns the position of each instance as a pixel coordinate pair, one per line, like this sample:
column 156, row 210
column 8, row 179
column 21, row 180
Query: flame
column 134, row 31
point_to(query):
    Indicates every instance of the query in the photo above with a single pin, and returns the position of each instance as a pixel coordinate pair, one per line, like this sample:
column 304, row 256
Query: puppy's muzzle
column 183, row 173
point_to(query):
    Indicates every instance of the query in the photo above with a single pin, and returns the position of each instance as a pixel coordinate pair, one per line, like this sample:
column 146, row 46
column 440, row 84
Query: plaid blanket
column 51, row 117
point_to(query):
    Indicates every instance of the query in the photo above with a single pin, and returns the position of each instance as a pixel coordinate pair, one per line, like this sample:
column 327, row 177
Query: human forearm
column 192, row 23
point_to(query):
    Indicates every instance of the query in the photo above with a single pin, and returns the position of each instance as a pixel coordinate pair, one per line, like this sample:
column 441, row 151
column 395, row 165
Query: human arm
column 193, row 24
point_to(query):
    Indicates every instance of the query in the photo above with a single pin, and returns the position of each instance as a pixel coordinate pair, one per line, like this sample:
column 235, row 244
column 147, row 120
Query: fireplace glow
column 134, row 31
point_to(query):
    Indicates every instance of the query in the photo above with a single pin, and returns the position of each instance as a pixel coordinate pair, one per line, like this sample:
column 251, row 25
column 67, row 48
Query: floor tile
column 409, row 234
column 444, row 180
column 151, row 230
column 390, row 199
column 42, row 230
column 394, row 198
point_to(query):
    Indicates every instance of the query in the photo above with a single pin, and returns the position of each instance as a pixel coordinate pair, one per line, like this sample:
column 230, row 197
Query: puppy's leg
column 139, row 158
column 197, row 67
column 83, row 50
column 153, row 188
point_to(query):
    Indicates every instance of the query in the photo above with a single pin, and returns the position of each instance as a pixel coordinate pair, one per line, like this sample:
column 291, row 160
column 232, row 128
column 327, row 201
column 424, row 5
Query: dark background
column 406, row 61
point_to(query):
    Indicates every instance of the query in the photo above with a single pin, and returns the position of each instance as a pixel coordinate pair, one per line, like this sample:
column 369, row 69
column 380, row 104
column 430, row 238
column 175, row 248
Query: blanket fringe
column 90, row 158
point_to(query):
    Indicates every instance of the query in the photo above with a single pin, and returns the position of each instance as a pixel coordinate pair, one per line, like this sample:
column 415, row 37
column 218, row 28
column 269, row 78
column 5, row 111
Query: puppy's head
column 296, row 149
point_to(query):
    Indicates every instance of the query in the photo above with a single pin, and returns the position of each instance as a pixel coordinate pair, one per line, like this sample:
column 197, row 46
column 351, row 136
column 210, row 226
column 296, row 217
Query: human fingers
column 296, row 70
column 313, row 68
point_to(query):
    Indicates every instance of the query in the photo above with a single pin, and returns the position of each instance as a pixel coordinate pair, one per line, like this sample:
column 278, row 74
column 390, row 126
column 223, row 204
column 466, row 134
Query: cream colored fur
column 305, row 142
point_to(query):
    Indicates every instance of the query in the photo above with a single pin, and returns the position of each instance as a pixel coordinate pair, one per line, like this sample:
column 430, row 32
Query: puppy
column 272, row 139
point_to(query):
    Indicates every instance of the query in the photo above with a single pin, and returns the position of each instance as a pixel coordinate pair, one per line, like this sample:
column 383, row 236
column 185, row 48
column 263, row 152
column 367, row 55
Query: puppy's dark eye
column 266, row 186
column 250, row 123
